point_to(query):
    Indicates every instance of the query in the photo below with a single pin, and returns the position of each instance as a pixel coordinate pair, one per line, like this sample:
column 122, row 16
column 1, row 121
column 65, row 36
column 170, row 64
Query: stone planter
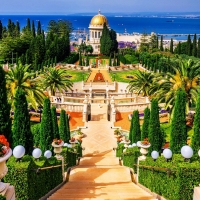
column 57, row 148
column 4, row 168
column 73, row 143
column 144, row 150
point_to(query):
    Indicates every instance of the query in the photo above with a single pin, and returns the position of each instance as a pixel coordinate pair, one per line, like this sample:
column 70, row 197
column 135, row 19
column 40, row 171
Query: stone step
column 94, row 161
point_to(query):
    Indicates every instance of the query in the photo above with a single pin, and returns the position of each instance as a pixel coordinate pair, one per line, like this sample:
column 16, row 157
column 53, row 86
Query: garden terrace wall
column 174, row 180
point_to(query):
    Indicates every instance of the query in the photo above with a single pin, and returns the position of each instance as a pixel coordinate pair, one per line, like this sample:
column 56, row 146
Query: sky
column 92, row 6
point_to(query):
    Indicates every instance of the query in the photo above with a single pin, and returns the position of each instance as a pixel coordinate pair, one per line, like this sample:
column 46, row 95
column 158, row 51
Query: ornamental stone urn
column 57, row 149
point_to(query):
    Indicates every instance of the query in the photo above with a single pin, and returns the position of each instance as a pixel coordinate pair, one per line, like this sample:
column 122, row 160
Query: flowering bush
column 145, row 141
column 72, row 139
column 4, row 145
column 57, row 141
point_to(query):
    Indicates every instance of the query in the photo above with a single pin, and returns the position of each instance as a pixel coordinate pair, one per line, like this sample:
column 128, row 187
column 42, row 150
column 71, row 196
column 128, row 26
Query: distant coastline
column 183, row 23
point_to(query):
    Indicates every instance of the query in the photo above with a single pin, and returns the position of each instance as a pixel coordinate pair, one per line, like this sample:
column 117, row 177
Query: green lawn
column 121, row 76
column 167, row 127
column 77, row 76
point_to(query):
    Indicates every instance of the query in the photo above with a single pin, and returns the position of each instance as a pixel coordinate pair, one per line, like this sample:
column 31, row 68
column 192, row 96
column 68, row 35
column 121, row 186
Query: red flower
column 57, row 141
column 4, row 145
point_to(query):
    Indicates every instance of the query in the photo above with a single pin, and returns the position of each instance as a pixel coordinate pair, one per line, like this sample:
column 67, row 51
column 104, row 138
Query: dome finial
column 99, row 12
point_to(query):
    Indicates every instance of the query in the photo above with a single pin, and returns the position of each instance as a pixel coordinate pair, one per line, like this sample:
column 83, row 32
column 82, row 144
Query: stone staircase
column 99, row 175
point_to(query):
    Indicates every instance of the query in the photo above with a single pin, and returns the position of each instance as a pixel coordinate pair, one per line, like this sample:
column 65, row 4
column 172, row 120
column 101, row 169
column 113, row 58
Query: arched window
column 95, row 34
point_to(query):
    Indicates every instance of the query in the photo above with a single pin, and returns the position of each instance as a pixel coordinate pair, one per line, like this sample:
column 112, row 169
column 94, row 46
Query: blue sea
column 138, row 23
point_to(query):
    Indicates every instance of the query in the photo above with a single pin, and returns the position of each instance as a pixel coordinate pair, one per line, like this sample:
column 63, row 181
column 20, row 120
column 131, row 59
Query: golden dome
column 98, row 20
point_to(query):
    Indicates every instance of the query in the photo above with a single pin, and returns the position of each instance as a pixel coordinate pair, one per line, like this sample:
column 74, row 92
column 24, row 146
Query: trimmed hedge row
column 29, row 184
column 130, row 157
column 177, row 184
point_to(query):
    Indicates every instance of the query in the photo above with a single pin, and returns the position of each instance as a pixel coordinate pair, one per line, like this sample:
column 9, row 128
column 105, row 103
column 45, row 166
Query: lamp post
column 167, row 153
column 186, row 152
column 154, row 155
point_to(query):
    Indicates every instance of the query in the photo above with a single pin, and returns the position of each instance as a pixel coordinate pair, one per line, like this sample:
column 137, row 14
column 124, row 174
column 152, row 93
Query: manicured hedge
column 177, row 185
column 2, row 197
column 119, row 150
column 130, row 157
column 29, row 184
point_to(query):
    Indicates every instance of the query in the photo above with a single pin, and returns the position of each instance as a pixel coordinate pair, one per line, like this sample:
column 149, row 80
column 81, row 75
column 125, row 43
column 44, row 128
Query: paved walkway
column 99, row 175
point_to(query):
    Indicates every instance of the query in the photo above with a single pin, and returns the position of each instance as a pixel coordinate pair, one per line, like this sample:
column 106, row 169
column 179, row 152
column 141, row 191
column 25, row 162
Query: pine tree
column 198, row 49
column 130, row 137
column 178, row 135
column 63, row 126
column 161, row 43
column 5, row 121
column 68, row 135
column 194, row 50
column 179, row 48
column 54, row 122
column 155, row 135
column 196, row 136
column 136, row 132
column 171, row 46
column 145, row 124
column 21, row 127
column 28, row 26
column 46, row 129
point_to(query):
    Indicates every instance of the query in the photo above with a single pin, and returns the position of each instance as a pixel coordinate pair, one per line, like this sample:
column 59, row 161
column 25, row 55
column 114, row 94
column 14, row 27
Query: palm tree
column 142, row 83
column 55, row 79
column 186, row 77
column 20, row 76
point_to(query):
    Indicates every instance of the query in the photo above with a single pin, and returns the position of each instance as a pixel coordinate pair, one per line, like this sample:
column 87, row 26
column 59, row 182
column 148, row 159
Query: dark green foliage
column 46, row 130
column 114, row 43
column 119, row 150
column 1, row 30
column 136, row 132
column 63, row 126
column 178, row 136
column 130, row 157
column 21, row 126
column 194, row 50
column 54, row 122
column 68, row 136
column 5, row 121
column 29, row 184
column 179, row 185
column 145, row 125
column 196, row 136
column 131, row 131
column 189, row 46
column 39, row 32
column 2, row 197
column 161, row 43
column 80, row 59
column 35, row 130
column 155, row 135
column 33, row 29
column 198, row 49
column 171, row 46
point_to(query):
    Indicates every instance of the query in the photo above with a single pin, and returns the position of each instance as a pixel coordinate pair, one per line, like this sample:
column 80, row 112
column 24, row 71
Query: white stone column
column 85, row 111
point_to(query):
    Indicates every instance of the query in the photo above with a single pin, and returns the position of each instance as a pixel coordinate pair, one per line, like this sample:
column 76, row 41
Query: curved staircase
column 99, row 175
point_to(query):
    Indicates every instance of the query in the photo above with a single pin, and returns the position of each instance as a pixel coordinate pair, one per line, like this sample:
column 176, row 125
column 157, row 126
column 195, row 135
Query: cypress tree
column 194, row 50
column 189, row 53
column 131, row 131
column 196, row 136
column 21, row 127
column 179, row 48
column 1, row 30
column 39, row 28
column 157, row 42
column 118, row 60
column 46, row 130
column 198, row 49
column 68, row 135
column 155, row 135
column 136, row 132
column 63, row 126
column 28, row 26
column 33, row 29
column 5, row 121
column 145, row 124
column 178, row 135
column 54, row 122
column 161, row 43
column 80, row 59
column 171, row 46
column 110, row 64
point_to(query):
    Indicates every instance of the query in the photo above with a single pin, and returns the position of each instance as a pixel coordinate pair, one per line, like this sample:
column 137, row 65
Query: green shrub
column 176, row 185
column 35, row 130
column 130, row 157
column 29, row 184
column 119, row 150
